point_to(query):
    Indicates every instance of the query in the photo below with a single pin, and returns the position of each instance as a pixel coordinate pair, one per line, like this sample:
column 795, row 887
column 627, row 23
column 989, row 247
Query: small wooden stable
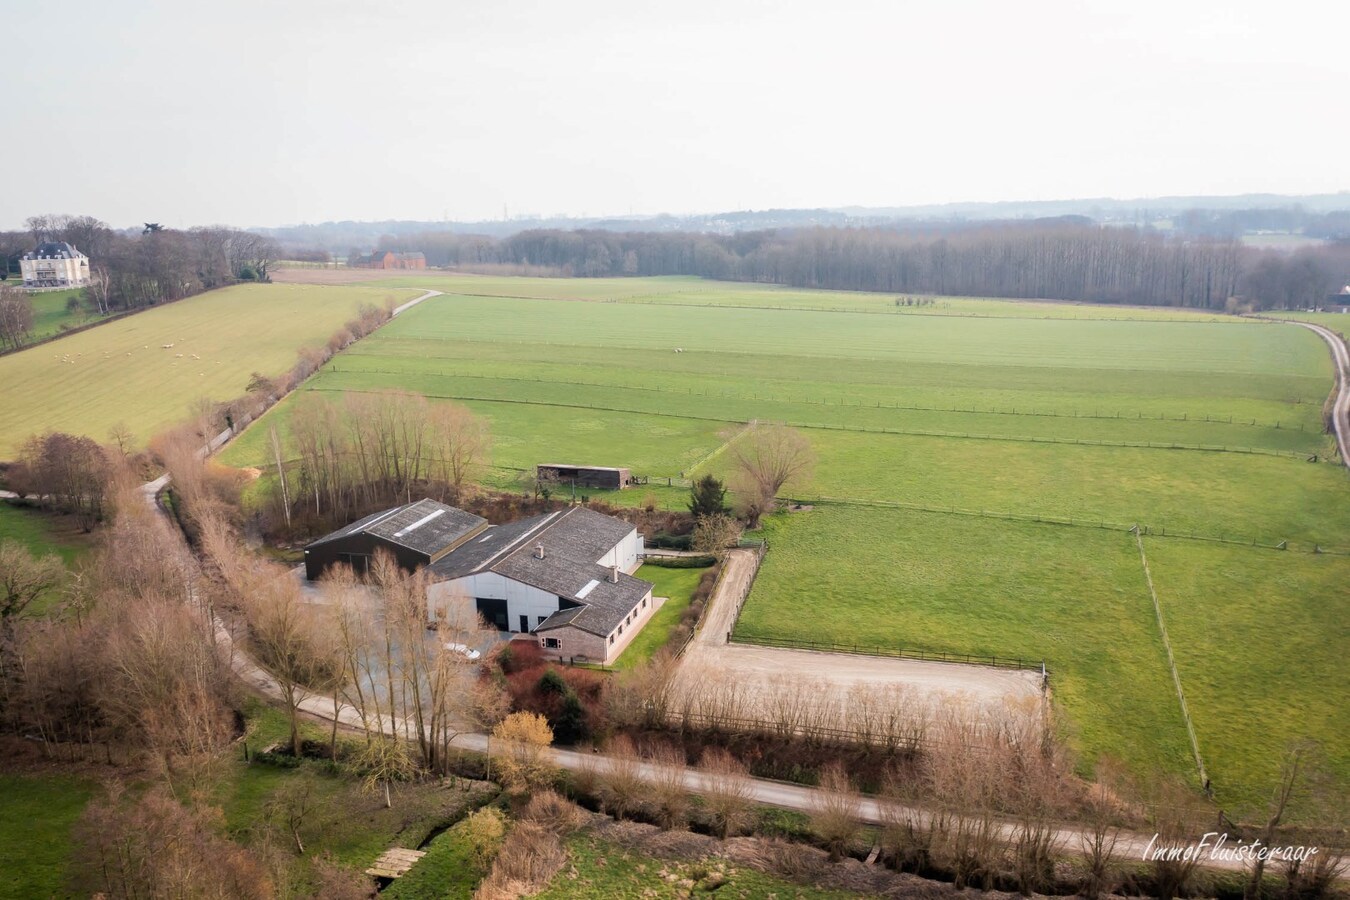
column 604, row 477
column 395, row 862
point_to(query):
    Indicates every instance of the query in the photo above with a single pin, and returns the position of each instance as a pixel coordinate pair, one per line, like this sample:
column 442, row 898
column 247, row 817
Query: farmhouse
column 388, row 259
column 563, row 576
column 584, row 476
column 54, row 264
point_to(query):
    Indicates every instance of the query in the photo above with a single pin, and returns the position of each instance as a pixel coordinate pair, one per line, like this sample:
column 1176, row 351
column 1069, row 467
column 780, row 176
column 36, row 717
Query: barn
column 602, row 477
column 417, row 534
column 564, row 576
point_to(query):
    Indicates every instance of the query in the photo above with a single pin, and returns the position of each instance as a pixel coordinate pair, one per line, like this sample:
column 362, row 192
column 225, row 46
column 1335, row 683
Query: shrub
column 680, row 562
column 483, row 831
column 551, row 810
column 527, row 862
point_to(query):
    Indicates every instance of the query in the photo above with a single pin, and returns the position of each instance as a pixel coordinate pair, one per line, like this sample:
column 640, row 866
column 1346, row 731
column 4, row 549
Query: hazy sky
column 278, row 112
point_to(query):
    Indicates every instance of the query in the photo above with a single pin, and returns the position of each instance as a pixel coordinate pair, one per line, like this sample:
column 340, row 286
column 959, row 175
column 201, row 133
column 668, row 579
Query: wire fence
column 1086, row 522
column 1000, row 662
column 863, row 429
column 1172, row 664
column 1095, row 414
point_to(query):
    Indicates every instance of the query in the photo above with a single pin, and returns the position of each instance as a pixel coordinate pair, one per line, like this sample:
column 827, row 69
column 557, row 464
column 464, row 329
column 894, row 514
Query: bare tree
column 619, row 780
column 715, row 534
column 768, row 458
column 835, row 811
column 1099, row 838
column 460, row 442
column 727, row 791
column 290, row 640
column 24, row 578
column 16, row 318
column 382, row 762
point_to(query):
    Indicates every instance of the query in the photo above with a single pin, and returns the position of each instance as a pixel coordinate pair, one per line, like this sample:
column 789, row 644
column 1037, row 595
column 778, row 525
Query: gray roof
column 424, row 526
column 574, row 541
column 494, row 542
column 54, row 249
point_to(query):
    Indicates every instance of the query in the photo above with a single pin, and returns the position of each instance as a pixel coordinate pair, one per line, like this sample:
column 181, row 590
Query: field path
column 414, row 301
column 1340, row 409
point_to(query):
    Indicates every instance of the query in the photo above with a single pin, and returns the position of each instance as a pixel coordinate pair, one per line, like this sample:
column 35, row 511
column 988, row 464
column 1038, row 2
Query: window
column 644, row 602
column 620, row 629
column 552, row 643
column 541, row 620
column 611, row 638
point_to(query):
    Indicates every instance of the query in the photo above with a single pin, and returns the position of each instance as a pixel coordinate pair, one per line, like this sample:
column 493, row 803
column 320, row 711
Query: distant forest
column 1069, row 258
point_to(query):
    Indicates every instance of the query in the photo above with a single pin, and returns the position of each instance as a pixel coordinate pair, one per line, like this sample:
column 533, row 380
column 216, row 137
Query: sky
column 288, row 111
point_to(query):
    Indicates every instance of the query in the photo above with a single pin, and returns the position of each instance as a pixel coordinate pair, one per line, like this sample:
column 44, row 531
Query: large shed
column 417, row 534
column 603, row 477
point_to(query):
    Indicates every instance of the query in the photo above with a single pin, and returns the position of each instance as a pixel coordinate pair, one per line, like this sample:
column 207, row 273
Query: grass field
column 693, row 291
column 50, row 313
column 89, row 381
column 1013, row 408
column 43, row 533
column 37, row 814
column 1260, row 640
column 677, row 585
column 1073, row 597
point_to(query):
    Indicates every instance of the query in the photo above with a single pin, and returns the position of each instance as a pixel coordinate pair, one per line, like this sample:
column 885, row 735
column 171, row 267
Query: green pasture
column 121, row 371
column 43, row 533
column 1260, row 640
column 677, row 586
column 692, row 291
column 1228, row 347
column 50, row 314
column 996, row 411
column 37, row 817
column 1243, row 497
column 1073, row 597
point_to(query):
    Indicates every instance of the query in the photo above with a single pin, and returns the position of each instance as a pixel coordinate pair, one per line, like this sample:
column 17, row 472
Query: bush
column 671, row 541
column 680, row 562
column 527, row 862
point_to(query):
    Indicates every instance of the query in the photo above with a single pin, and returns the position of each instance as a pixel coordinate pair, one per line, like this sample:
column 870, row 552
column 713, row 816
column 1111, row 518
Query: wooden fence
column 973, row 659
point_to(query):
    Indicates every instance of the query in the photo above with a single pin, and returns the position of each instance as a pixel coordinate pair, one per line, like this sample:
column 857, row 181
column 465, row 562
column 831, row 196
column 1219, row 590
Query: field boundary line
column 1279, row 425
column 1171, row 662
column 1217, row 320
column 856, row 429
column 880, row 650
column 718, row 450
column 1072, row 522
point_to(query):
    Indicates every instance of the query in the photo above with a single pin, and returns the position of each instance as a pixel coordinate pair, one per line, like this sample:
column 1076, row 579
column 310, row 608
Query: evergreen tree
column 707, row 497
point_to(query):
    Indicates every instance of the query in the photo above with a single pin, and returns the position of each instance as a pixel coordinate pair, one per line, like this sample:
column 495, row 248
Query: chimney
column 538, row 551
column 613, row 574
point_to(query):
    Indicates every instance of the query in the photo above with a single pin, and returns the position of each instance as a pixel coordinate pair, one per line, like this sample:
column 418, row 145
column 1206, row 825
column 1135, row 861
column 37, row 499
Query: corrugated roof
column 424, row 526
column 574, row 541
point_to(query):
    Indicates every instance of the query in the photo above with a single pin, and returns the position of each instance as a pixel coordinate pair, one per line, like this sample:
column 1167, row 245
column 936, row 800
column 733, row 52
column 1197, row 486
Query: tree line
column 1068, row 258
column 131, row 270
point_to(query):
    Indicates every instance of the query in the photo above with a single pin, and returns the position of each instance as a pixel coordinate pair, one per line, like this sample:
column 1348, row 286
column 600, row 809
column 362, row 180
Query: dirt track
column 837, row 673
column 1340, row 408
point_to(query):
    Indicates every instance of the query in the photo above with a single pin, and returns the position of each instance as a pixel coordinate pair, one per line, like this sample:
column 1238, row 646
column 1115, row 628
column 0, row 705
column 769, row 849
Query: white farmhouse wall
column 521, row 599
column 626, row 554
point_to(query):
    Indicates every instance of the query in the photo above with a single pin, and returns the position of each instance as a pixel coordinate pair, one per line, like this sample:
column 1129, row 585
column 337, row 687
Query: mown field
column 1096, row 416
column 87, row 382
